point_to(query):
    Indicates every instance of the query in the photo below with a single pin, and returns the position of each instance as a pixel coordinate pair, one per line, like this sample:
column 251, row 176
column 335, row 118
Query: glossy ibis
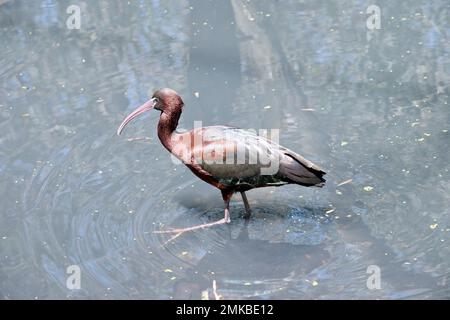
column 206, row 151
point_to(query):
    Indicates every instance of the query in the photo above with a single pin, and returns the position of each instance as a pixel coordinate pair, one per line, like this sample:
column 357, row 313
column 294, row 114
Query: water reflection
column 367, row 106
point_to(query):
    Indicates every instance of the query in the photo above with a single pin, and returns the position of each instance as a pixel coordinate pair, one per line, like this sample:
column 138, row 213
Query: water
column 371, row 106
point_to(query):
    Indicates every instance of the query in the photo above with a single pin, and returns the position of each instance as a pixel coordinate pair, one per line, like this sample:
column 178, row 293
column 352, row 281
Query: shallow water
column 370, row 106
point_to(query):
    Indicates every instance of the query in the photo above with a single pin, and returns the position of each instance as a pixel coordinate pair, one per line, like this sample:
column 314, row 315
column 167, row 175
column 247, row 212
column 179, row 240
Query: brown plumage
column 225, row 156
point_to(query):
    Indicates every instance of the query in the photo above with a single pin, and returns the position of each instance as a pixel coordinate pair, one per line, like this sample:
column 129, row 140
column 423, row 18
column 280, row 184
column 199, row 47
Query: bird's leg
column 226, row 219
column 248, row 211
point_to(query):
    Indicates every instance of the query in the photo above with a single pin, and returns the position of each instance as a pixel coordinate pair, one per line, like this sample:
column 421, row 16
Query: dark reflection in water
column 370, row 106
column 213, row 73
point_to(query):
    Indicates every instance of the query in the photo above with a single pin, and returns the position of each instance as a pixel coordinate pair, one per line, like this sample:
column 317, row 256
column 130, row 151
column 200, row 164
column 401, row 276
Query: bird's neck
column 167, row 125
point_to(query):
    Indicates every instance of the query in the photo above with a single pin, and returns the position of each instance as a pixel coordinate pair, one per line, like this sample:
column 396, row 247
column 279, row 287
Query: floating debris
column 216, row 295
column 308, row 109
column 314, row 283
column 368, row 188
column 267, row 107
column 138, row 139
column 330, row 211
column 197, row 94
column 205, row 295
column 344, row 143
column 344, row 182
column 433, row 226
column 168, row 271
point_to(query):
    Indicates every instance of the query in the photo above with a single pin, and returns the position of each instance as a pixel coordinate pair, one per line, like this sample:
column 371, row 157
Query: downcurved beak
column 145, row 107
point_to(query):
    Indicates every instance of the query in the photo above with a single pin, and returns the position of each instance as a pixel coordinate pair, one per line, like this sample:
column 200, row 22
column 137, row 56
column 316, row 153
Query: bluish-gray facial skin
column 369, row 105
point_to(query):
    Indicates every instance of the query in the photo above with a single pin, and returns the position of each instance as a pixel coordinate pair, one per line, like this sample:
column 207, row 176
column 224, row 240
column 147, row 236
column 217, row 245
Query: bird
column 231, row 159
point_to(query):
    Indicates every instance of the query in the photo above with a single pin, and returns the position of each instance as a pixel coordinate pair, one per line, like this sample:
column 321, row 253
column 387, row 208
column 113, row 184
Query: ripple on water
column 102, row 218
column 106, row 227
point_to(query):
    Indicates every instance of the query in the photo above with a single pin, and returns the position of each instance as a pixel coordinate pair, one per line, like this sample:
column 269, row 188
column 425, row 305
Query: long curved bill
column 145, row 107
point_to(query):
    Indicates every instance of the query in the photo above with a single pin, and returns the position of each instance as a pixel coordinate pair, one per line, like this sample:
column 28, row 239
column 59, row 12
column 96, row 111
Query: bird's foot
column 178, row 232
column 200, row 226
column 247, row 215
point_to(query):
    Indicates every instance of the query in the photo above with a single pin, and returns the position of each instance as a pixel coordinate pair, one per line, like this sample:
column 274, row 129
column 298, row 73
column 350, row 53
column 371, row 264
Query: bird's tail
column 296, row 169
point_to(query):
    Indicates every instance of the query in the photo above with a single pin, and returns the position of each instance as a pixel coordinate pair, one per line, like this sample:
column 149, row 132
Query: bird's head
column 165, row 100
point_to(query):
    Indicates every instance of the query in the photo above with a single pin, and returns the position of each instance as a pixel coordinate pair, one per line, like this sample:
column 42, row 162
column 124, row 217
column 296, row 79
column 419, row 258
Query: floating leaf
column 205, row 295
